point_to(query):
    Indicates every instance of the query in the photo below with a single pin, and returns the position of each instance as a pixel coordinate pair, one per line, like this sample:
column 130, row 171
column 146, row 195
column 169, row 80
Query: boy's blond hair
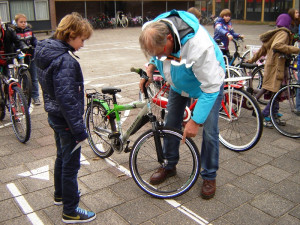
column 71, row 26
column 19, row 16
column 225, row 12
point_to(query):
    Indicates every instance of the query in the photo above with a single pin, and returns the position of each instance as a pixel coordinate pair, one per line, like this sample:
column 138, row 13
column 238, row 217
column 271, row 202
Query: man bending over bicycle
column 188, row 59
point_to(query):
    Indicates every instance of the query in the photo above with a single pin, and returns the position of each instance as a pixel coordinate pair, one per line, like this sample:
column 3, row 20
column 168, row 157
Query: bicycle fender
column 237, row 86
column 103, row 103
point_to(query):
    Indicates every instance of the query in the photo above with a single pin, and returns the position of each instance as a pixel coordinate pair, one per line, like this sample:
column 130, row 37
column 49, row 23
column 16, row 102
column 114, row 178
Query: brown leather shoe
column 208, row 189
column 161, row 175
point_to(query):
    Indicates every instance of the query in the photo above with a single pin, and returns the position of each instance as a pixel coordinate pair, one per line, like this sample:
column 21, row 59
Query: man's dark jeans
column 66, row 166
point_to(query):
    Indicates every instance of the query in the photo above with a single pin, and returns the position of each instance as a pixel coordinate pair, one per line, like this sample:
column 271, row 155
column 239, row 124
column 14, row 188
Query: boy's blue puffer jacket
column 61, row 79
column 222, row 29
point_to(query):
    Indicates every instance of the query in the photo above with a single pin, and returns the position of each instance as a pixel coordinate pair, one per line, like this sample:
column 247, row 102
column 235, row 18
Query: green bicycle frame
column 146, row 107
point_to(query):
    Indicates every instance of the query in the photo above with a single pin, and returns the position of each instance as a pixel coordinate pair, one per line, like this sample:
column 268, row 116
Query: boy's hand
column 230, row 37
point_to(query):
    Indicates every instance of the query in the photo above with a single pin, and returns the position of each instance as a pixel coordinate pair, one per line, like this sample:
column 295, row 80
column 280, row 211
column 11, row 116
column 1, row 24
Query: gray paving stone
column 224, row 177
column 34, row 184
column 8, row 210
column 18, row 158
column 11, row 173
column 226, row 154
column 237, row 166
column 43, row 152
column 127, row 189
column 96, row 164
column 54, row 213
column 296, row 212
column 272, row 204
column 271, row 173
column 294, row 154
column 5, row 192
column 221, row 221
column 173, row 217
column 2, row 165
column 143, row 211
column 295, row 178
column 252, row 183
column 108, row 217
column 248, row 215
column 255, row 158
column 273, row 152
column 42, row 163
column 39, row 199
column 207, row 209
column 99, row 180
column 101, row 200
column 288, row 164
column 288, row 189
column 232, row 196
column 286, row 143
column 287, row 220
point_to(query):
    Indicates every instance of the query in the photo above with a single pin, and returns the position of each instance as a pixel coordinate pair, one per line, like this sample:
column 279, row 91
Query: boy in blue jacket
column 192, row 63
column 224, row 30
column 61, row 80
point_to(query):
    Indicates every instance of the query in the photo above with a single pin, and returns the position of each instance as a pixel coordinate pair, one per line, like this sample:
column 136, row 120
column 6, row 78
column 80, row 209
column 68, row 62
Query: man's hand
column 190, row 130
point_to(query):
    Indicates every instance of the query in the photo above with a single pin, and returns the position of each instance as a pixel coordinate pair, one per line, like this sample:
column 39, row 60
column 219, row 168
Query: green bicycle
column 105, row 136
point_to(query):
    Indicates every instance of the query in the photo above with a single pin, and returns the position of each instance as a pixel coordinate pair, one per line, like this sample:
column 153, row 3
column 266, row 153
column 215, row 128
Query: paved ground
column 260, row 186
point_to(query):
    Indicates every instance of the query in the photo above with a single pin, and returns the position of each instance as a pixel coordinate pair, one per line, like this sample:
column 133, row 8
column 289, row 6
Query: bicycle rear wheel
column 98, row 128
column 19, row 115
column 143, row 163
column 287, row 122
column 241, row 129
column 26, row 84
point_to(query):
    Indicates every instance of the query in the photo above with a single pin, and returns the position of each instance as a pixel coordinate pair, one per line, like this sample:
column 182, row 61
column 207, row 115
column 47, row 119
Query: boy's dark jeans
column 66, row 166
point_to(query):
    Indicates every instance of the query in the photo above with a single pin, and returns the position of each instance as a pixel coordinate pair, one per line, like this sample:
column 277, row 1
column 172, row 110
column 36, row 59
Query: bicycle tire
column 143, row 162
column 98, row 140
column 244, row 130
column 19, row 115
column 287, row 105
column 24, row 78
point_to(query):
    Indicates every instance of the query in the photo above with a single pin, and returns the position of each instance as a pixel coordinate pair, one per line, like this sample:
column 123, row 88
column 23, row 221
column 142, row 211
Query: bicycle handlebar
column 143, row 75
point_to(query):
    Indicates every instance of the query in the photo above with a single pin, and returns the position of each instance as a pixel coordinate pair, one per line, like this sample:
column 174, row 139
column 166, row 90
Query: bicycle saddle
column 110, row 90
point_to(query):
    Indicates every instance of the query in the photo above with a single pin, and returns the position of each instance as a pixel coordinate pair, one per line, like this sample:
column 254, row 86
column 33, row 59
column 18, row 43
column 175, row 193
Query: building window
column 24, row 7
column 4, row 11
column 41, row 10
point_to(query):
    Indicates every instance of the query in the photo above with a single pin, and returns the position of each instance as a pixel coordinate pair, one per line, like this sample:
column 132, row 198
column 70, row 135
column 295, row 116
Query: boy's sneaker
column 36, row 101
column 268, row 122
column 80, row 216
column 58, row 199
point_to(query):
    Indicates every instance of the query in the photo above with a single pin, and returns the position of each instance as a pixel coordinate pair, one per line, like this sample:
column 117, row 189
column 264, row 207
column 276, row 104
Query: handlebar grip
column 142, row 74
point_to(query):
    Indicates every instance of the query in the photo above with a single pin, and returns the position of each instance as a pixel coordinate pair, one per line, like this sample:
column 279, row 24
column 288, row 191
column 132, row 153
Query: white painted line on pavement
column 198, row 219
column 25, row 207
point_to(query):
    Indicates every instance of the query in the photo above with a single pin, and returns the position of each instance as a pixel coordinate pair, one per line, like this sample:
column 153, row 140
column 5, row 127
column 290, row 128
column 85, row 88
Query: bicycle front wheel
column 240, row 120
column 143, row 163
column 26, row 84
column 99, row 126
column 19, row 115
column 287, row 122
column 124, row 22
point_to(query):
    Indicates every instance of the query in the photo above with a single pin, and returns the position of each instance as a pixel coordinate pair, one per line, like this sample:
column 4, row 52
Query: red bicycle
column 240, row 118
column 13, row 98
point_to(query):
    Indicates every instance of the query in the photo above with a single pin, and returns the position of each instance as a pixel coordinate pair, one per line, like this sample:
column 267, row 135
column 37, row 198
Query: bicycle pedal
column 128, row 149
